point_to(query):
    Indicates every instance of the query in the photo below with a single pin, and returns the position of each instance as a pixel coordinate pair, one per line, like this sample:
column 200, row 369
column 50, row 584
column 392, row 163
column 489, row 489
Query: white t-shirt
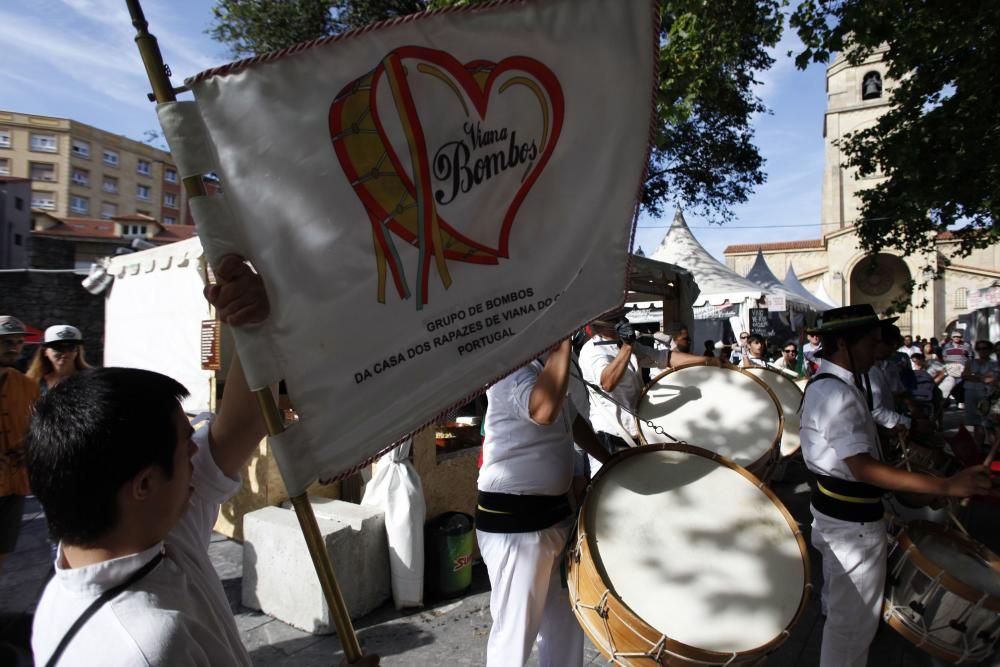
column 835, row 423
column 883, row 405
column 177, row 615
column 520, row 456
column 606, row 416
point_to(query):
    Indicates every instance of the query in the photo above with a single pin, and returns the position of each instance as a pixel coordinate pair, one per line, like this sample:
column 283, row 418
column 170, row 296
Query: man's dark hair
column 891, row 335
column 756, row 338
column 917, row 356
column 91, row 434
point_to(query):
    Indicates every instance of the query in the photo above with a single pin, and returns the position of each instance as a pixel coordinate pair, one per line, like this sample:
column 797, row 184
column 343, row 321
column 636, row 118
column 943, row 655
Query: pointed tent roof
column 761, row 274
column 823, row 295
column 793, row 283
column 716, row 281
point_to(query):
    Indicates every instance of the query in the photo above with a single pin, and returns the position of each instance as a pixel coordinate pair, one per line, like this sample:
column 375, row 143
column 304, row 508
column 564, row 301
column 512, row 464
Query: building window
column 169, row 220
column 43, row 200
column 4, row 138
column 108, row 210
column 18, row 203
column 80, row 176
column 134, row 230
column 81, row 149
column 42, row 171
column 142, row 192
column 871, row 86
column 170, row 200
column 144, row 167
column 79, row 204
column 4, row 166
column 110, row 158
column 170, row 175
column 18, row 239
column 44, row 143
column 961, row 298
column 110, row 184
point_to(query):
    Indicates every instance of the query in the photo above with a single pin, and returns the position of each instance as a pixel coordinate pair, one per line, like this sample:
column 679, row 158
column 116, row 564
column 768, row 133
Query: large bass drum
column 683, row 558
column 790, row 398
column 943, row 593
column 721, row 408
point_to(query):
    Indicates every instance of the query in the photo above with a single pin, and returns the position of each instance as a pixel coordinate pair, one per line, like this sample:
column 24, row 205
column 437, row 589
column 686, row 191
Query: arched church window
column 961, row 298
column 871, row 86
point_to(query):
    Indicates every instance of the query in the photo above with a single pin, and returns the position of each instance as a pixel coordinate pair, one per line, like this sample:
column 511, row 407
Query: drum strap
column 513, row 513
column 846, row 500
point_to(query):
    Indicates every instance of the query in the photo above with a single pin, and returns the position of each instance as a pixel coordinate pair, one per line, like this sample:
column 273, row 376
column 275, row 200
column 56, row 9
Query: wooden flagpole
column 194, row 186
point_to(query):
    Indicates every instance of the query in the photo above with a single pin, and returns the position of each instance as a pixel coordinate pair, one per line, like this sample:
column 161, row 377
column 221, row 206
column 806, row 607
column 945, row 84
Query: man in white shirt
column 131, row 492
column 611, row 360
column 909, row 348
column 810, row 353
column 885, row 385
column 756, row 353
column 839, row 445
column 523, row 514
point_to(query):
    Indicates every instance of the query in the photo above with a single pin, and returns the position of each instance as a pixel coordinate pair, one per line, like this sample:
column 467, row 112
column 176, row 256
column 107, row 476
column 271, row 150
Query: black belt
column 510, row 513
column 845, row 499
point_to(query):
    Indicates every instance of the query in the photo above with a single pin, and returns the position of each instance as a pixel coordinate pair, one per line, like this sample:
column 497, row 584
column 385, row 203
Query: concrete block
column 278, row 574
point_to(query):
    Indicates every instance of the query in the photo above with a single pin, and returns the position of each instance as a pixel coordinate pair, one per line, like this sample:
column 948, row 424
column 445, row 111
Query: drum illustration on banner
column 502, row 122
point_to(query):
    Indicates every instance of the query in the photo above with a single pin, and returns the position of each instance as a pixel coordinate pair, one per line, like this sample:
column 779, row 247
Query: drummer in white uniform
column 524, row 517
column 611, row 360
column 839, row 444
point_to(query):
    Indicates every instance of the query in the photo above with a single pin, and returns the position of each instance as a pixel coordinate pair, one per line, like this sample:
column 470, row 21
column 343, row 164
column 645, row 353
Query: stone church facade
column 856, row 97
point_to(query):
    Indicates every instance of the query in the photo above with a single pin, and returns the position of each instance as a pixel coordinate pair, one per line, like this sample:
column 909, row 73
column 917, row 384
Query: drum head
column 789, row 398
column 721, row 409
column 968, row 565
column 695, row 549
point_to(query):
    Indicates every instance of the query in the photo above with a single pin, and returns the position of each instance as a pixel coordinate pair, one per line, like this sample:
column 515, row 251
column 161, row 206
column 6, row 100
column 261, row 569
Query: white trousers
column 854, row 564
column 528, row 599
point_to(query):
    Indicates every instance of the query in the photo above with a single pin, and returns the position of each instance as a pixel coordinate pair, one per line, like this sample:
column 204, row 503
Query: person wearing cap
column 17, row 395
column 60, row 356
column 611, row 363
column 848, row 479
column 524, row 515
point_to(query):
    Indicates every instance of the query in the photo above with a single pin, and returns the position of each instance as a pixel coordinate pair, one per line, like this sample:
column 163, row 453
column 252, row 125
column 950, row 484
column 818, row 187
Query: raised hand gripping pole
column 194, row 186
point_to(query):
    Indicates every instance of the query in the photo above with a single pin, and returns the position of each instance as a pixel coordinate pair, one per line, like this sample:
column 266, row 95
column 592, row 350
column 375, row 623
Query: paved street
column 450, row 632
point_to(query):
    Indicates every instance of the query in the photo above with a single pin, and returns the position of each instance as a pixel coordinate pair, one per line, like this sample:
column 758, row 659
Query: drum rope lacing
column 919, row 625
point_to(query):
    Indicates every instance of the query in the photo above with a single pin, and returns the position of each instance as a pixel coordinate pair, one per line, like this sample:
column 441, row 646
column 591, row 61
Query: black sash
column 846, row 500
column 510, row 513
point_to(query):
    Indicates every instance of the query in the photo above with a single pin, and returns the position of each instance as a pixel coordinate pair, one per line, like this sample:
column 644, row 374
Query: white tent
column 724, row 294
column 823, row 295
column 154, row 315
column 761, row 274
column 793, row 283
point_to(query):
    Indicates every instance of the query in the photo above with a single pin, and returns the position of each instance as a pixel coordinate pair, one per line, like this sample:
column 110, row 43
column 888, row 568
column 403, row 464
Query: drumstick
column 986, row 462
column 954, row 520
column 906, row 452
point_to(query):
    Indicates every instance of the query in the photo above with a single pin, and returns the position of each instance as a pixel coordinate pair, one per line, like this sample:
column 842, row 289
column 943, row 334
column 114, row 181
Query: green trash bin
column 449, row 539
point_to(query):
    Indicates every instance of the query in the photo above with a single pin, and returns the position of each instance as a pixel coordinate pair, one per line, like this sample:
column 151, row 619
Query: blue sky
column 89, row 70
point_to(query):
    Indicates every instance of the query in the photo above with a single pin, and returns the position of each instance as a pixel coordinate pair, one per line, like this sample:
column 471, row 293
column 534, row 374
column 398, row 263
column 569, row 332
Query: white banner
column 431, row 204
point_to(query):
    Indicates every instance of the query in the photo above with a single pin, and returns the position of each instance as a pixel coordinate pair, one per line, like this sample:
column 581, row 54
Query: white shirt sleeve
column 211, row 488
column 882, row 411
column 843, row 425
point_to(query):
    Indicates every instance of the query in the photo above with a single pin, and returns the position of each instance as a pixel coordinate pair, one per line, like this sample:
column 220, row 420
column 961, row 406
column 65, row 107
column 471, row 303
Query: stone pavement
column 446, row 632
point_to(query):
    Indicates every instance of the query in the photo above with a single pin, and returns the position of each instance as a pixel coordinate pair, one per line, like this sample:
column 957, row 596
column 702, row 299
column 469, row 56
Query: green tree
column 938, row 146
column 703, row 157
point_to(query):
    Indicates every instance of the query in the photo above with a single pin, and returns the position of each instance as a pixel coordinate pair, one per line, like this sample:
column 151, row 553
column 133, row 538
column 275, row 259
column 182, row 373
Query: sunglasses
column 11, row 341
column 62, row 346
column 744, row 337
column 789, row 351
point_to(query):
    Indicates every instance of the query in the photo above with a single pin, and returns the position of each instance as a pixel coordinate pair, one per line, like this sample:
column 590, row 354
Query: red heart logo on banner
column 420, row 174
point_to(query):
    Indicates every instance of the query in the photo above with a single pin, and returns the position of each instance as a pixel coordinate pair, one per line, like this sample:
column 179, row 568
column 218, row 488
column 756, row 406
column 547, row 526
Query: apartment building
column 15, row 222
column 81, row 171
